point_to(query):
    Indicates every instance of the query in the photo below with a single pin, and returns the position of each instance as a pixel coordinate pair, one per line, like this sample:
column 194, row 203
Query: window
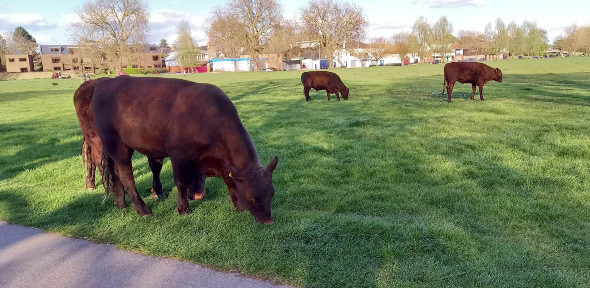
column 152, row 48
column 24, row 70
column 10, row 59
column 56, row 68
column 134, row 66
column 75, row 60
column 155, row 58
column 54, row 60
column 76, row 68
column 54, row 49
column 22, row 59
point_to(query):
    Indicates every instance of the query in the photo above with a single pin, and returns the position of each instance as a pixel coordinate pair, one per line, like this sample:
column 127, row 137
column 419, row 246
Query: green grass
column 392, row 188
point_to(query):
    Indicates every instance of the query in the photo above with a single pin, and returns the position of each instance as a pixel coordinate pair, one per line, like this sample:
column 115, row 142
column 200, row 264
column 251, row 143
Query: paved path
column 31, row 258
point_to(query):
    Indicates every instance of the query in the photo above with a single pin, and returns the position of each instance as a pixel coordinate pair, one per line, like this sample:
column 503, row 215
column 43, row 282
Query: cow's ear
column 498, row 71
column 273, row 164
column 233, row 174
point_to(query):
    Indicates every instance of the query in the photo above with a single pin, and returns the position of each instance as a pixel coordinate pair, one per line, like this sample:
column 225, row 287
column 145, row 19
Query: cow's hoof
column 143, row 212
column 196, row 195
column 159, row 196
column 183, row 210
column 121, row 205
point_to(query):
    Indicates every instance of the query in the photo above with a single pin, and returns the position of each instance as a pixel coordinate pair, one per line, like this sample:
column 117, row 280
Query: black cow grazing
column 195, row 125
column 323, row 80
column 475, row 73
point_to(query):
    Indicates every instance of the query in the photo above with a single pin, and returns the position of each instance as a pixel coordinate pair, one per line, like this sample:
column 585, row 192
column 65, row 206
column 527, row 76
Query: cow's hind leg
column 328, row 92
column 481, row 92
column 156, row 167
column 472, row 91
column 450, row 90
column 306, row 93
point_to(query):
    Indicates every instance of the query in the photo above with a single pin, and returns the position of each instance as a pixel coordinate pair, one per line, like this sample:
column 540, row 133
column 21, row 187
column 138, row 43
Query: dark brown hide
column 475, row 73
column 196, row 125
column 92, row 146
column 323, row 80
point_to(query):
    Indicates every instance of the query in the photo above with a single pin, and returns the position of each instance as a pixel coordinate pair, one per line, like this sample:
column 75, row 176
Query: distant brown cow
column 475, row 73
column 323, row 80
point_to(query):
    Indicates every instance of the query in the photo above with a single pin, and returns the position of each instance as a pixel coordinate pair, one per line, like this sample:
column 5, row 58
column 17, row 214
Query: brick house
column 19, row 62
column 69, row 58
column 65, row 58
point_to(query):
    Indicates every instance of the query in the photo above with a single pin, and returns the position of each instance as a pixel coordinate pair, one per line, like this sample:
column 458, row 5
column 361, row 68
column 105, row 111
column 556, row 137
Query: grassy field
column 392, row 188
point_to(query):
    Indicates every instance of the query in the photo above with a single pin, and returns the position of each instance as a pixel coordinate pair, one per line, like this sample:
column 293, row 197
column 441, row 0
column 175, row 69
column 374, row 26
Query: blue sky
column 48, row 22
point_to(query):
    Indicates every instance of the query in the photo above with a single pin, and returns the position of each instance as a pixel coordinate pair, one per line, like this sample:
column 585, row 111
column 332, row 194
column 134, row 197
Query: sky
column 48, row 21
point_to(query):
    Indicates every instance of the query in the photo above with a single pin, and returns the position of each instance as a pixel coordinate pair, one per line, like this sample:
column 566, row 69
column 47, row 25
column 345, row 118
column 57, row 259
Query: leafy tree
column 442, row 37
column 163, row 44
column 186, row 51
column 333, row 25
column 423, row 33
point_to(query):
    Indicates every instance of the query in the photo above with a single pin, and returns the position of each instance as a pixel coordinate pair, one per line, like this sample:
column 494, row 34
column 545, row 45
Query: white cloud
column 449, row 3
column 27, row 20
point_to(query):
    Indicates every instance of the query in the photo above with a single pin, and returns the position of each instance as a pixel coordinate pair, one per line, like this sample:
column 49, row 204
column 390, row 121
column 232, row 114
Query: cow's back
column 153, row 115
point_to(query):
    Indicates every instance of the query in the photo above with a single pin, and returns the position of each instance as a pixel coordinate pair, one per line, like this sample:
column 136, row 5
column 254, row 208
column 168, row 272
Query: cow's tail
column 108, row 175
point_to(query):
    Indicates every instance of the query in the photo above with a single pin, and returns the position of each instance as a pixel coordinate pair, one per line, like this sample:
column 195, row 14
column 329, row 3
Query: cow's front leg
column 472, row 91
column 328, row 93
column 338, row 96
column 181, row 171
column 196, row 188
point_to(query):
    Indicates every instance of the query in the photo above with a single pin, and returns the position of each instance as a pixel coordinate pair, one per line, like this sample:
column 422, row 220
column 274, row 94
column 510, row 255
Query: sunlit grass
column 392, row 188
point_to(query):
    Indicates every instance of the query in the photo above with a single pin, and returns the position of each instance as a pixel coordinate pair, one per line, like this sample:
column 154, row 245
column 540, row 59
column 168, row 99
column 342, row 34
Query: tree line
column 112, row 31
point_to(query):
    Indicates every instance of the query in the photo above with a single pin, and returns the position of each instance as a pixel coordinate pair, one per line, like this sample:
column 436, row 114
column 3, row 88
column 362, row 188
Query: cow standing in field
column 323, row 80
column 475, row 73
column 195, row 125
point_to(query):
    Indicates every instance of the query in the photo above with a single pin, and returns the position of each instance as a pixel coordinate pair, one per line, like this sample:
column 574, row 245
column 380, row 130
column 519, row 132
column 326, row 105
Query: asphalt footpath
column 30, row 257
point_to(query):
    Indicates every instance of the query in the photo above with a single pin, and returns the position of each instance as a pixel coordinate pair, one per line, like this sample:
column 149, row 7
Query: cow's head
column 345, row 93
column 498, row 75
column 255, row 190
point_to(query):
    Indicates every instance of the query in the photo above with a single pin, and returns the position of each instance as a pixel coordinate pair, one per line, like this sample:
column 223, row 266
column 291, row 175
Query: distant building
column 172, row 65
column 19, row 62
column 65, row 58
column 70, row 58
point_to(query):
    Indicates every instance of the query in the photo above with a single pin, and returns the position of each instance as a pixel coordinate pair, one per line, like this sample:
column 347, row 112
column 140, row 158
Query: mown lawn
column 392, row 188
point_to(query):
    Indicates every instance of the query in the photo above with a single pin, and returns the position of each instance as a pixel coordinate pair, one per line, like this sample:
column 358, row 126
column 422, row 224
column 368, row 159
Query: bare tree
column 333, row 25
column 111, row 30
column 471, row 40
column 186, row 50
column 244, row 24
column 379, row 47
column 405, row 43
column 285, row 38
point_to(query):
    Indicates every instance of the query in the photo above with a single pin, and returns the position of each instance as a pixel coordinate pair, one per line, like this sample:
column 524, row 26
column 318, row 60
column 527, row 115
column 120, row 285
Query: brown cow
column 195, row 125
column 323, row 80
column 92, row 146
column 475, row 73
